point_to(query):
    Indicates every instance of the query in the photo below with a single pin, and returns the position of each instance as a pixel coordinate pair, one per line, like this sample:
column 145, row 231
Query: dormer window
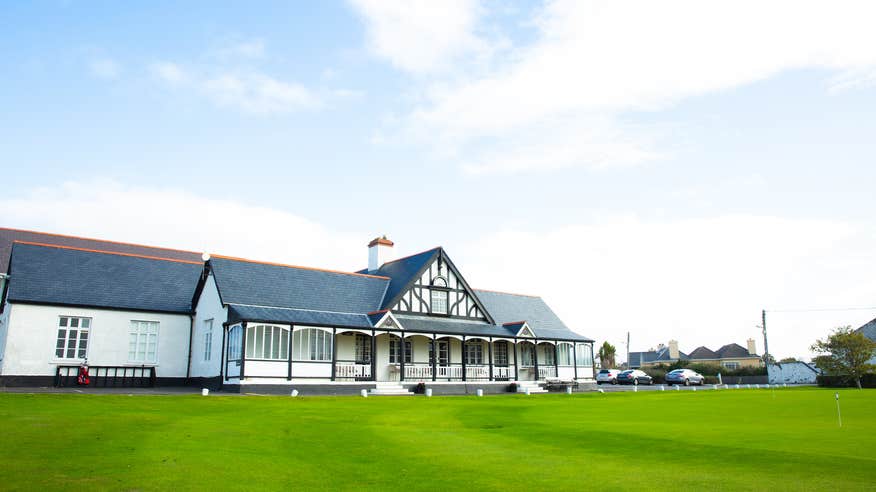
column 439, row 295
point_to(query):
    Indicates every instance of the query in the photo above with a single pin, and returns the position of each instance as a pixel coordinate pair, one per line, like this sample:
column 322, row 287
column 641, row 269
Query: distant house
column 731, row 356
column 869, row 331
column 664, row 354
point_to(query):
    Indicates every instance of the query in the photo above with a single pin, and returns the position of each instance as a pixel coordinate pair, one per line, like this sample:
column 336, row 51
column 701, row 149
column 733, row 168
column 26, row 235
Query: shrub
column 512, row 388
column 867, row 381
column 420, row 388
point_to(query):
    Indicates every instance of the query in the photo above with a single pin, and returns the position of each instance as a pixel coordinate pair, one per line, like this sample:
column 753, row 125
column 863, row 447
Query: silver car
column 607, row 376
column 686, row 377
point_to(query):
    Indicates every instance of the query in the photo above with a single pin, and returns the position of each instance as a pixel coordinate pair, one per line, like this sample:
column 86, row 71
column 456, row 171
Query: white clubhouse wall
column 32, row 330
column 209, row 307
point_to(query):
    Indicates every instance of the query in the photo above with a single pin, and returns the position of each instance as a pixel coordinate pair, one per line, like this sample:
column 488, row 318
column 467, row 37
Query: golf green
column 782, row 439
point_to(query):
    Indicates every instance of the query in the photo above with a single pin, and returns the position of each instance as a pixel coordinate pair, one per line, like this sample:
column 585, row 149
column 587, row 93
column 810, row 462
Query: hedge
column 867, row 381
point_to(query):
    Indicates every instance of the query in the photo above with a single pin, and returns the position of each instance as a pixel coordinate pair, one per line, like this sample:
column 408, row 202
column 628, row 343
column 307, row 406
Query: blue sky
column 664, row 170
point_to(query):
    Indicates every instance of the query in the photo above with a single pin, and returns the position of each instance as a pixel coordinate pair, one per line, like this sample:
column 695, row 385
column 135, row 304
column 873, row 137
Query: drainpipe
column 191, row 336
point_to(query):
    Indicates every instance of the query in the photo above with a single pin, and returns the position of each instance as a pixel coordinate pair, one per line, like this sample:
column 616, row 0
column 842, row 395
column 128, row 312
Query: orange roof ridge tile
column 234, row 258
column 99, row 240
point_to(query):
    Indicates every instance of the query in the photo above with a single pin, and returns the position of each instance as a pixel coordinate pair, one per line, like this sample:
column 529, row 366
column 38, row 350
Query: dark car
column 686, row 377
column 633, row 376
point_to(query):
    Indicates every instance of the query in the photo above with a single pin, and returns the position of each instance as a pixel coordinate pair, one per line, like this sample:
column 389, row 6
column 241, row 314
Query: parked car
column 607, row 376
column 686, row 377
column 633, row 376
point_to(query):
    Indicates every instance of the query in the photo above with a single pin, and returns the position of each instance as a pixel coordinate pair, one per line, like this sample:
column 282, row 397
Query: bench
column 559, row 383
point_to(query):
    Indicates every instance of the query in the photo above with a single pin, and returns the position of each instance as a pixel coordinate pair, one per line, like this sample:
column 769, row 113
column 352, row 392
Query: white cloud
column 259, row 93
column 171, row 217
column 422, row 36
column 597, row 61
column 700, row 281
column 105, row 68
column 253, row 48
column 169, row 72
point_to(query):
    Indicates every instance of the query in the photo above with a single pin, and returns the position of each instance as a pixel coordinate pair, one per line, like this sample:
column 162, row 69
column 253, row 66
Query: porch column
column 289, row 362
column 434, row 360
column 592, row 365
column 373, row 356
column 223, row 367
column 490, row 350
column 401, row 348
column 556, row 360
column 463, row 357
column 242, row 350
column 535, row 358
column 334, row 352
column 516, row 369
column 575, row 358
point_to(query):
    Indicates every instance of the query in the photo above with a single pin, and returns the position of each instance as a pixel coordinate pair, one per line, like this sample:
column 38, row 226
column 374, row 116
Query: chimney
column 673, row 349
column 752, row 348
column 379, row 252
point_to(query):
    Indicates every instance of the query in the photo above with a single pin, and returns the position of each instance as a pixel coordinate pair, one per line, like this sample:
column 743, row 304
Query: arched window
column 267, row 342
column 311, row 344
column 439, row 295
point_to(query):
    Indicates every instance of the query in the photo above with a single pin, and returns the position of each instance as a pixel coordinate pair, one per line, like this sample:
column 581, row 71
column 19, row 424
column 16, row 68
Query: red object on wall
column 83, row 378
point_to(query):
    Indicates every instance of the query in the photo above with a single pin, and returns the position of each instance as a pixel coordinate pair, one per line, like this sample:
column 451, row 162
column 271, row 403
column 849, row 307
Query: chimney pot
column 673, row 349
column 752, row 347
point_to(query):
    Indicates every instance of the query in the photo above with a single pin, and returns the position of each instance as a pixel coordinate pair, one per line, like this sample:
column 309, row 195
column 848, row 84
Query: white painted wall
column 4, row 319
column 209, row 307
column 790, row 373
column 32, row 334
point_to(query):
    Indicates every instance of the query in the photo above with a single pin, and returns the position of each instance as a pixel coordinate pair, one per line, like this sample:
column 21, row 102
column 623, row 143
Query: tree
column 606, row 355
column 788, row 359
column 846, row 353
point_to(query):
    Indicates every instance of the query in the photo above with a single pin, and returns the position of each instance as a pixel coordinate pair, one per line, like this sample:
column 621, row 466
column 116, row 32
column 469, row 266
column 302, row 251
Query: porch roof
column 431, row 324
column 238, row 312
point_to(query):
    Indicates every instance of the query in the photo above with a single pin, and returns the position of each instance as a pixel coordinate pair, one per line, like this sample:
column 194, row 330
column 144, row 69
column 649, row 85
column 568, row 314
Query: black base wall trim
column 27, row 381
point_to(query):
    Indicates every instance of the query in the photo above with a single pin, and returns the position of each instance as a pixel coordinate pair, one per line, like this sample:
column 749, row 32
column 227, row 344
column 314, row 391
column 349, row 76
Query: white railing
column 450, row 372
column 547, row 372
column 418, row 371
column 353, row 371
column 501, row 373
column 477, row 372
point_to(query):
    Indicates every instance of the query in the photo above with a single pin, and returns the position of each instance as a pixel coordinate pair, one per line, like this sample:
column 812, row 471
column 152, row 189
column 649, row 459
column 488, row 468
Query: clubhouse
column 143, row 316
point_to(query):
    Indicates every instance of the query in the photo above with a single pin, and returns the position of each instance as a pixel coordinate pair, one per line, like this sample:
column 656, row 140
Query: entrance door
column 527, row 362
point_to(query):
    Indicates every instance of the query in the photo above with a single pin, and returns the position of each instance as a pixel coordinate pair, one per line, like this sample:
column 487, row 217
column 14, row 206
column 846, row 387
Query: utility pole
column 766, row 347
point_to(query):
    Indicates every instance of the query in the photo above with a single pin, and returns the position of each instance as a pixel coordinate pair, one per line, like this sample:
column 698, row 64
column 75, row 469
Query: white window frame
column 143, row 339
column 312, row 345
column 267, row 342
column 439, row 301
column 565, row 354
column 394, row 349
column 503, row 353
column 65, row 324
column 584, row 355
column 208, row 340
column 474, row 352
column 233, row 345
column 732, row 365
column 362, row 352
column 550, row 356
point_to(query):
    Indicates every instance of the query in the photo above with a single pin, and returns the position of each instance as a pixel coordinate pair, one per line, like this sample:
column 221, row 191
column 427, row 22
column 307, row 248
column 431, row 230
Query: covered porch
column 277, row 353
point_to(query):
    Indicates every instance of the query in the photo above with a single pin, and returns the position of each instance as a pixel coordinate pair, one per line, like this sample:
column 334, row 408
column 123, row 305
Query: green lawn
column 733, row 439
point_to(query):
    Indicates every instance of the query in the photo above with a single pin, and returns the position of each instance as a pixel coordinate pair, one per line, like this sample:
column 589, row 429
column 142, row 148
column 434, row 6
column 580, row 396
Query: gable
column 435, row 275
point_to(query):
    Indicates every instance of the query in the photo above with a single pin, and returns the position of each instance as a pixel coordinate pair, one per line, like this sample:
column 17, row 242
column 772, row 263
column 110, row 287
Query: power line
column 812, row 310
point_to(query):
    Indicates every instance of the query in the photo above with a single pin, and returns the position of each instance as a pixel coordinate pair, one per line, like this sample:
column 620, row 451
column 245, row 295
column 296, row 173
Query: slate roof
column 702, row 352
column 401, row 272
column 238, row 312
column 733, row 351
column 453, row 326
column 637, row 359
column 73, row 277
column 544, row 322
column 9, row 236
column 869, row 330
column 291, row 287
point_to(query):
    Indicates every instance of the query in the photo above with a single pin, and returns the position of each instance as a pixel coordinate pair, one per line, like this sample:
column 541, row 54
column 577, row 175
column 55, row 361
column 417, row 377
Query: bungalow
column 730, row 356
column 246, row 325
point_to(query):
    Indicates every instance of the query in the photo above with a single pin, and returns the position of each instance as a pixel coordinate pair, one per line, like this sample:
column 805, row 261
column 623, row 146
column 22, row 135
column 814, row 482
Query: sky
column 667, row 169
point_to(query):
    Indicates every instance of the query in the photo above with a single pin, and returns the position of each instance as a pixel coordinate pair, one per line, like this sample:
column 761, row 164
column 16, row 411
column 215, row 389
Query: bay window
column 311, row 344
column 267, row 342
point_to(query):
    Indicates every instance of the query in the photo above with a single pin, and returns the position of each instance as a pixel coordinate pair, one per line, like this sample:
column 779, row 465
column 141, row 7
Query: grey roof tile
column 238, row 312
column 544, row 322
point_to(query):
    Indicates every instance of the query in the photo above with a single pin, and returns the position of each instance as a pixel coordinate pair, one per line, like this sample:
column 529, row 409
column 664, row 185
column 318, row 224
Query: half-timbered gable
column 429, row 283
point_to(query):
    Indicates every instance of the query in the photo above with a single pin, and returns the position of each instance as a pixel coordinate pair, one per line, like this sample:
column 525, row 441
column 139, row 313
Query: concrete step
column 389, row 389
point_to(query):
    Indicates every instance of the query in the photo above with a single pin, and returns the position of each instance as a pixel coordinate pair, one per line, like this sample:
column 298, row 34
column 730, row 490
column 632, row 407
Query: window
column 235, row 338
column 394, row 356
column 267, row 342
column 208, row 339
column 143, row 342
column 731, row 365
column 500, row 353
column 474, row 353
column 443, row 353
column 312, row 344
column 565, row 352
column 439, row 301
column 585, row 355
column 363, row 349
column 526, row 354
column 549, row 355
column 72, row 340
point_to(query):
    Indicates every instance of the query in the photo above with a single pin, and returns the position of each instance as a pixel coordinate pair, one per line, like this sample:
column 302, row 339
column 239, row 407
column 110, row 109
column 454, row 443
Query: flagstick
column 838, row 414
